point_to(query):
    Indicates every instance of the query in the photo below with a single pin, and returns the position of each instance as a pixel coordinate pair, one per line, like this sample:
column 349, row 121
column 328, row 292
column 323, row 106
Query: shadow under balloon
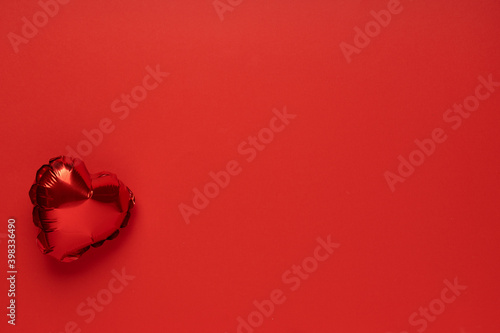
column 95, row 258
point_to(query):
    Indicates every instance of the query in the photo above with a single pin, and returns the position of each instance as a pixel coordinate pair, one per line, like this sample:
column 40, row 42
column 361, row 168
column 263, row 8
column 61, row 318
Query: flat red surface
column 322, row 175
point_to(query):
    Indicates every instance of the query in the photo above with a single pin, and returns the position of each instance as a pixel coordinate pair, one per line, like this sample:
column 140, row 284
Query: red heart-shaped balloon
column 75, row 209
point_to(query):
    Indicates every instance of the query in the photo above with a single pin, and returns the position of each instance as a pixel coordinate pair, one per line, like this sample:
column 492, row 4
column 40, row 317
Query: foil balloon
column 75, row 209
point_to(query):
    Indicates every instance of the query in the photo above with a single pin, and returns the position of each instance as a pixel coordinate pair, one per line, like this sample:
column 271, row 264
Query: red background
column 321, row 176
